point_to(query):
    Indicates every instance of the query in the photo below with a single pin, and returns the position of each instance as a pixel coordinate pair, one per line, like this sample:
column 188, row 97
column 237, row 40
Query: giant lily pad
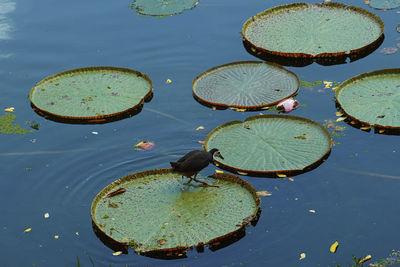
column 270, row 144
column 303, row 30
column 92, row 94
column 384, row 4
column 245, row 84
column 156, row 212
column 163, row 7
column 372, row 98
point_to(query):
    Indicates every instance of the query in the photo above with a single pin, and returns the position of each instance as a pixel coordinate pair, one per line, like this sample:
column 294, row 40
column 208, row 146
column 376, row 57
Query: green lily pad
column 372, row 98
column 245, row 84
column 270, row 144
column 384, row 4
column 162, row 7
column 91, row 94
column 158, row 212
column 303, row 30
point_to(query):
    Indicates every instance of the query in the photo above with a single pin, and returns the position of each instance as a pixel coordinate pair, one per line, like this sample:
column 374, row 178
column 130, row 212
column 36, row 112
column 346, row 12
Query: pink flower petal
column 288, row 105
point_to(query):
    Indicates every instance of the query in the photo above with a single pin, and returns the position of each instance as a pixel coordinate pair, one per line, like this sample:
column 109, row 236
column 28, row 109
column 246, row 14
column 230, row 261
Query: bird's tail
column 174, row 165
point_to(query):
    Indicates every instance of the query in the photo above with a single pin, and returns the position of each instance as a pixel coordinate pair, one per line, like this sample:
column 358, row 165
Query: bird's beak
column 218, row 154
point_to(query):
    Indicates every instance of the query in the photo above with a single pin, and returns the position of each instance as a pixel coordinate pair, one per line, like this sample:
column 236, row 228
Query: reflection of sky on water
column 6, row 26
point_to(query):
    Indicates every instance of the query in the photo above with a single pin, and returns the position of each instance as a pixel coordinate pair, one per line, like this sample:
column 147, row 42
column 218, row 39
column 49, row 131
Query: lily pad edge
column 91, row 119
column 271, row 174
column 249, row 108
column 360, row 76
column 176, row 252
column 339, row 54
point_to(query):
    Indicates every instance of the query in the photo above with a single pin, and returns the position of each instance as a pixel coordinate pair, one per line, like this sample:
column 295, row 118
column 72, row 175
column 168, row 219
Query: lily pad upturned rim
column 375, row 5
column 356, row 78
column 140, row 11
column 177, row 251
column 223, row 105
column 338, row 54
column 272, row 174
column 92, row 119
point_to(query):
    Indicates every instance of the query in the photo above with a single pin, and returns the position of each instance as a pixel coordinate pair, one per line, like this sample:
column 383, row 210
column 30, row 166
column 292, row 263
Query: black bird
column 193, row 162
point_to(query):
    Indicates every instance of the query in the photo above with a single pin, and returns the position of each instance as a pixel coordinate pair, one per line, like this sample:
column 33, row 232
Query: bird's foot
column 190, row 179
column 205, row 183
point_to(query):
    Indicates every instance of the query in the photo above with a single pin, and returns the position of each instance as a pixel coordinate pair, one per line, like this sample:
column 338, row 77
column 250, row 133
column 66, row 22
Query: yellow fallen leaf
column 56, row 236
column 338, row 114
column 263, row 193
column 340, row 119
column 238, row 109
column 265, row 108
column 77, row 233
column 242, row 173
column 327, row 84
column 291, row 179
column 281, row 175
column 366, row 2
column 145, row 145
column 46, row 215
column 334, row 88
column 312, row 211
column 302, row 256
column 200, row 128
column 218, row 171
column 334, row 247
column 116, row 253
column 381, row 131
column 168, row 81
column 201, row 142
column 367, row 258
column 27, row 230
column 365, row 128
column 10, row 109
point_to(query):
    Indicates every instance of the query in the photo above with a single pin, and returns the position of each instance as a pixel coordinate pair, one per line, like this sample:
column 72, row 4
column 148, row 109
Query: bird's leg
column 187, row 177
column 205, row 183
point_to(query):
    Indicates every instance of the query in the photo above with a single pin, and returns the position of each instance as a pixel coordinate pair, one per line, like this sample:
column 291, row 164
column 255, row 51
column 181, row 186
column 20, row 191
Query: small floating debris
column 145, row 145
column 334, row 247
column 389, row 50
column 116, row 192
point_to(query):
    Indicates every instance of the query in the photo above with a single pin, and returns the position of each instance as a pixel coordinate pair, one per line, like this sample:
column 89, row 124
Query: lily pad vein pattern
column 271, row 143
column 180, row 215
column 372, row 98
column 245, row 84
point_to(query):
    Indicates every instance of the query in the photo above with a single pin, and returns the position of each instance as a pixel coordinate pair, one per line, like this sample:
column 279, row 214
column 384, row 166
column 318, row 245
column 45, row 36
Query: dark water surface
column 61, row 167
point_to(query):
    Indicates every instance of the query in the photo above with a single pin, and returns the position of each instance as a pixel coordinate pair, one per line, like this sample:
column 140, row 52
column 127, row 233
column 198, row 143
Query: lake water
column 59, row 168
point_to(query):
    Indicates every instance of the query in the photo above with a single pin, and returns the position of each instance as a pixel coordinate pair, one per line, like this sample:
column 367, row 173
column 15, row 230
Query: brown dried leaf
column 263, row 193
